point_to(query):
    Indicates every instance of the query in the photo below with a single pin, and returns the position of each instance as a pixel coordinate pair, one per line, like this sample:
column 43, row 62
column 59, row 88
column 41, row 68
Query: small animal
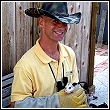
column 71, row 87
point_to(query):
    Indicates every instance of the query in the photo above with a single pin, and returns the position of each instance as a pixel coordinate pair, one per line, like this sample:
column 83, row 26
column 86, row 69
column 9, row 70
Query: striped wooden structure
column 6, row 90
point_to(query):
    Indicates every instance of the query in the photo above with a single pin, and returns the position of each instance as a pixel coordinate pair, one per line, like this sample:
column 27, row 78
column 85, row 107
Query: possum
column 69, row 88
column 72, row 87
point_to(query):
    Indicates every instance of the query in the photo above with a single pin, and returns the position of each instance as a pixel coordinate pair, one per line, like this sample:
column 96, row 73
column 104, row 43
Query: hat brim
column 70, row 19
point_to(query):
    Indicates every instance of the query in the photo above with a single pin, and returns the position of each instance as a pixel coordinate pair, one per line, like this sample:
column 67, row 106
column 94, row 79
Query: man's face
column 53, row 28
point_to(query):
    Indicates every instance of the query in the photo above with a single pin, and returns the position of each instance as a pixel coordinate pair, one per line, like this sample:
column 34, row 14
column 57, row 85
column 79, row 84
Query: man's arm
column 40, row 102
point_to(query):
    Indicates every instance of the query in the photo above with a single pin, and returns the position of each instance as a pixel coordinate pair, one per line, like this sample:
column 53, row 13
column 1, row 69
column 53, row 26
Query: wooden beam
column 92, row 45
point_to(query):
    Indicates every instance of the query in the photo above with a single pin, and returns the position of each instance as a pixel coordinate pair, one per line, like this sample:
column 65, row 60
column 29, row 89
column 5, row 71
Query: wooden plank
column 17, row 33
column 7, row 82
column 7, row 76
column 35, row 24
column 71, row 39
column 8, row 35
column 6, row 102
column 6, row 91
column 78, row 36
column 23, row 29
column 85, row 38
column 101, row 30
column 92, row 44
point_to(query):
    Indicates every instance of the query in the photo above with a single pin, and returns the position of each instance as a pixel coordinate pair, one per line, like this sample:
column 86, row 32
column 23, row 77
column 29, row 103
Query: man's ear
column 40, row 21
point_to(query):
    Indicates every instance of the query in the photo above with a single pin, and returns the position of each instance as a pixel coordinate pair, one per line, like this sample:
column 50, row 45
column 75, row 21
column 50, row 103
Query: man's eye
column 64, row 24
column 55, row 21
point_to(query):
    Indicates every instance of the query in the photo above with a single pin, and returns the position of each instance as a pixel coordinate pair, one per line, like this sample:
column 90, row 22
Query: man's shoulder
column 66, row 47
column 26, row 56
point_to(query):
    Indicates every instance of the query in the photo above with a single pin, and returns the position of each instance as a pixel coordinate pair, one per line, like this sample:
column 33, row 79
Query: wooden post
column 92, row 46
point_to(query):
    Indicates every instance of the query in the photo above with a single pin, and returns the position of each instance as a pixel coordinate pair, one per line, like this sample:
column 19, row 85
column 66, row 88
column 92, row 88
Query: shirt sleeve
column 51, row 101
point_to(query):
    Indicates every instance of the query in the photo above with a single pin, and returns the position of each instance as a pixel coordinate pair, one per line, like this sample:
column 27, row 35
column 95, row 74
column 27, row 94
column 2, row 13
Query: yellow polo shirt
column 33, row 76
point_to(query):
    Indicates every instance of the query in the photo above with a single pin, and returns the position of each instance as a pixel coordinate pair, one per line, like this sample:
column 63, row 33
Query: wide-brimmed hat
column 55, row 10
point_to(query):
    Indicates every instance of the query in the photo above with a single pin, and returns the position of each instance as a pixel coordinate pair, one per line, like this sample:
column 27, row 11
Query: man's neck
column 50, row 48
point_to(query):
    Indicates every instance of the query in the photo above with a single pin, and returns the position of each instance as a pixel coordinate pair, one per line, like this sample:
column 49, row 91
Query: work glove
column 77, row 99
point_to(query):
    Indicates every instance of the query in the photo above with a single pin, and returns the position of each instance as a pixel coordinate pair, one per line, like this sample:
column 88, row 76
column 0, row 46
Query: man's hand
column 77, row 99
column 12, row 105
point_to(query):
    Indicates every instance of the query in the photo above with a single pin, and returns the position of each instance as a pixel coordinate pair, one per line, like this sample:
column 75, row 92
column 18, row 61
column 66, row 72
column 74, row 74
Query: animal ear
column 74, row 84
column 84, row 85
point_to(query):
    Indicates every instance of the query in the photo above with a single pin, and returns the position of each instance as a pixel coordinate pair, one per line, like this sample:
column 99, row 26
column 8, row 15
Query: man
column 42, row 73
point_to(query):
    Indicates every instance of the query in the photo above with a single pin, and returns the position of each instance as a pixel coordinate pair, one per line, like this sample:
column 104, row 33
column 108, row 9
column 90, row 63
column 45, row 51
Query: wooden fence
column 19, row 33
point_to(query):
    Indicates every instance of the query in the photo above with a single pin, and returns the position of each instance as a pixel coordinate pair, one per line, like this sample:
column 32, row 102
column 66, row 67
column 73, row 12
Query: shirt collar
column 44, row 57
